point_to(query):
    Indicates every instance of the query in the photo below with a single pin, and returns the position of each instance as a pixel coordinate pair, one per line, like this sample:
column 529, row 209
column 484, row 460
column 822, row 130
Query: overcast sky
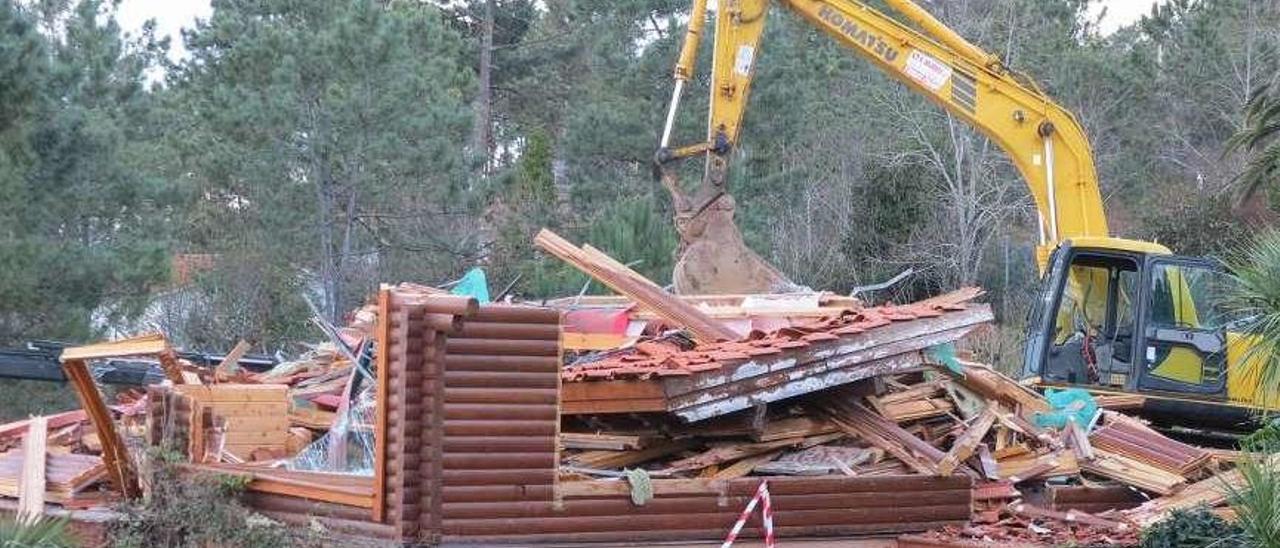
column 172, row 15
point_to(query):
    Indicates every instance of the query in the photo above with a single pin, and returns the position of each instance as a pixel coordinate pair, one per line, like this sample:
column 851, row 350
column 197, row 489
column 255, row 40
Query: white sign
column 930, row 72
column 743, row 60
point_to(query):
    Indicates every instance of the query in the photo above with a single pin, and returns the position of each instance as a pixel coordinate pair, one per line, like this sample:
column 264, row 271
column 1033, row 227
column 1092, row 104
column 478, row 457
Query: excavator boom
column 1045, row 142
column 1113, row 315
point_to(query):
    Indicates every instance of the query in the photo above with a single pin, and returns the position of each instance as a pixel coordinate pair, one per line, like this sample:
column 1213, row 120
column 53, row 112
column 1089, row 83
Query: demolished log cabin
column 715, row 379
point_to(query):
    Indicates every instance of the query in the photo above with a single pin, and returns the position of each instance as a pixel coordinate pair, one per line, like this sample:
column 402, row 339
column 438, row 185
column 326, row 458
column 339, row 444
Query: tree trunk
column 482, row 133
column 329, row 267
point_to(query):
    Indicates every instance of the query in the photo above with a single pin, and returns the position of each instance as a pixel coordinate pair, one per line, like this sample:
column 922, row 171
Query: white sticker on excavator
column 742, row 62
column 930, row 72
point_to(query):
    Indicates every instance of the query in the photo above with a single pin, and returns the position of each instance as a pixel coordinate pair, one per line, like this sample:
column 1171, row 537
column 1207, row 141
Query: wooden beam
column 630, row 283
column 611, row 442
column 32, row 486
column 114, row 453
column 231, row 362
column 745, row 466
column 145, row 345
column 172, row 368
column 610, row 460
column 964, row 446
column 593, row 341
column 19, row 429
column 859, row 421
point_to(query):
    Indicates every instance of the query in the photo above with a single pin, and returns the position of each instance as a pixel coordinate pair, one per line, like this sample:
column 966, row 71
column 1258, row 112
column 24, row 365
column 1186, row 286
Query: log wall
column 469, row 453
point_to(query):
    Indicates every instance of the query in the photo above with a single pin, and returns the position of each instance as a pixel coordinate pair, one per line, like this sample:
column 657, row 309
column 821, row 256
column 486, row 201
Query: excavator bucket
column 714, row 260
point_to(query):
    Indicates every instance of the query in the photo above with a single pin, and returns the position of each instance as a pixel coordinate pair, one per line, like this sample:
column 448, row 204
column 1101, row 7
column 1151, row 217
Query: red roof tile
column 667, row 358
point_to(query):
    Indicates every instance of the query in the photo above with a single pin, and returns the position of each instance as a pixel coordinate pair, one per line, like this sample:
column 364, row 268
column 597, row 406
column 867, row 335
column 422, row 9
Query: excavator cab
column 1123, row 315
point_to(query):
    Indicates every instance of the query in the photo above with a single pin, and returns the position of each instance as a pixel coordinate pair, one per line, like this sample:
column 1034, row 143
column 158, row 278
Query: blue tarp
column 473, row 284
column 1071, row 402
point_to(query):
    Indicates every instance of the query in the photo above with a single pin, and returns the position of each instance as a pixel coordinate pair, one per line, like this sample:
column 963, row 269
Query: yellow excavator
column 1113, row 315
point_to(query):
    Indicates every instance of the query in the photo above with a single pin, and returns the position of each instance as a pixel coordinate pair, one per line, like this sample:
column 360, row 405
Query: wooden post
column 32, row 485
column 382, row 336
column 114, row 454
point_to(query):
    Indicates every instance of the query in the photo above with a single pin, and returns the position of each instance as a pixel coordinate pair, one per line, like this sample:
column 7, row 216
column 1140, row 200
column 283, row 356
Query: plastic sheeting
column 1073, row 403
column 348, row 446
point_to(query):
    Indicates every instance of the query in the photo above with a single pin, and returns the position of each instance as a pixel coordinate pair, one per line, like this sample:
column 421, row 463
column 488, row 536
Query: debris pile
column 873, row 391
column 661, row 403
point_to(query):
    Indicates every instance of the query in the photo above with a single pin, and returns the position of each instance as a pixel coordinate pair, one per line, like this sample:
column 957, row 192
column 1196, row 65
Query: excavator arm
column 1045, row 142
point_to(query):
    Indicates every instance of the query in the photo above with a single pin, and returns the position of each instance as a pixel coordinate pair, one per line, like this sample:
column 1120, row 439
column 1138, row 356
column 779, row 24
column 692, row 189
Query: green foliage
column 534, row 179
column 1256, row 297
column 634, row 232
column 76, row 204
column 1195, row 528
column 317, row 148
column 43, row 532
column 194, row 512
column 1260, row 138
column 1193, row 221
column 1257, row 501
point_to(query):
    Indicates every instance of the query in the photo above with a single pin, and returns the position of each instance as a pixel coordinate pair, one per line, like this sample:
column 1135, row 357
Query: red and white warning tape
column 766, row 516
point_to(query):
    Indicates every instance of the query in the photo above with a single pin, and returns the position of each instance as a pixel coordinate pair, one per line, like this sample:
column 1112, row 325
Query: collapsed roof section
column 712, row 379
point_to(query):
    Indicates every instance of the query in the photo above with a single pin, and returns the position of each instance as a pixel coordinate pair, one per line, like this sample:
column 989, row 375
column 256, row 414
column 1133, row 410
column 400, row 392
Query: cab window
column 1093, row 324
column 1188, row 312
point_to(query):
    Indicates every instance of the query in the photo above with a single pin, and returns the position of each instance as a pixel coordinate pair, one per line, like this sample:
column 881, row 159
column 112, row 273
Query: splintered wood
column 626, row 281
column 938, row 422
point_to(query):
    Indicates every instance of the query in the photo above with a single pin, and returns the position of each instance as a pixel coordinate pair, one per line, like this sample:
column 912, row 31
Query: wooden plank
column 859, row 421
column 729, row 453
column 964, row 446
column 1132, row 472
column 114, row 454
column 18, row 429
column 906, row 411
column 212, row 394
column 993, row 385
column 1078, row 440
column 231, row 362
column 266, row 440
column 608, row 460
column 268, row 423
column 382, row 338
column 250, row 410
column 32, row 486
column 150, row 344
column 312, row 418
column 612, row 442
column 593, row 341
column 1022, row 468
column 1120, row 401
column 628, row 282
column 745, row 466
column 793, row 427
column 173, row 369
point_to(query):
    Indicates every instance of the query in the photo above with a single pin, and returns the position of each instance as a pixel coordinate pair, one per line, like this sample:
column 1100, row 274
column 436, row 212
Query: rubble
column 844, row 408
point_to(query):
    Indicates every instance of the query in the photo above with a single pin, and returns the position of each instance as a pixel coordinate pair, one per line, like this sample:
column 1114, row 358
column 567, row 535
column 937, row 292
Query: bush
column 194, row 512
column 42, row 532
column 1257, row 502
column 1197, row 528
